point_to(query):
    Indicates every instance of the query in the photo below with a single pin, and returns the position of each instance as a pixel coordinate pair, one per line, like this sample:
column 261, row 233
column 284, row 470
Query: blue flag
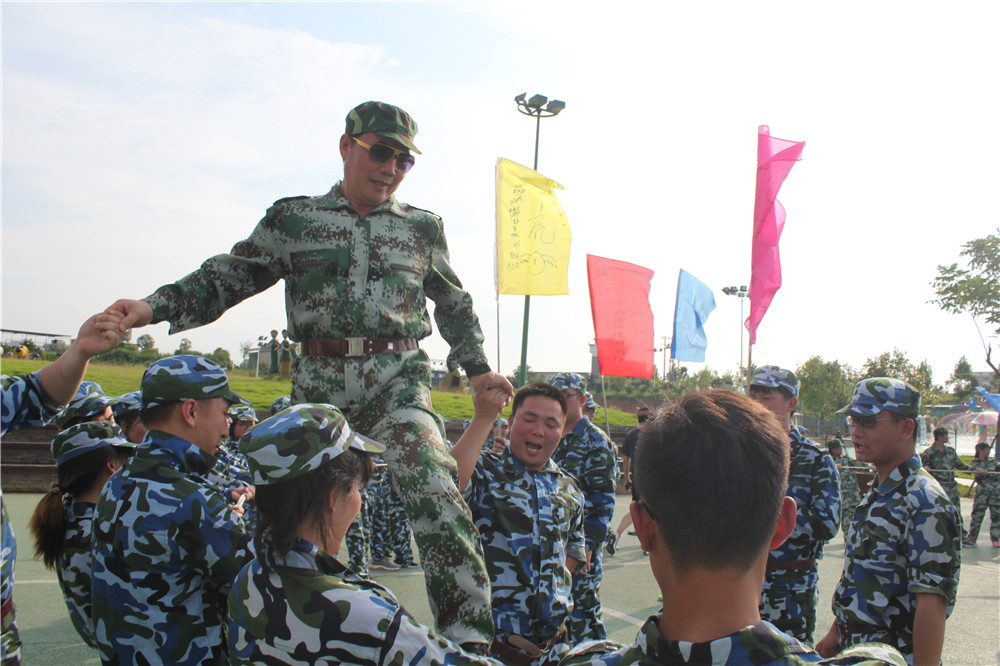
column 992, row 398
column 694, row 303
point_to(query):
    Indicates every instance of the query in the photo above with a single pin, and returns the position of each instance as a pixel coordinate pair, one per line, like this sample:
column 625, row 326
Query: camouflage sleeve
column 453, row 312
column 407, row 642
column 222, row 281
column 212, row 536
column 25, row 403
column 868, row 653
column 576, row 546
column 824, row 512
column 959, row 463
column 598, row 486
column 932, row 545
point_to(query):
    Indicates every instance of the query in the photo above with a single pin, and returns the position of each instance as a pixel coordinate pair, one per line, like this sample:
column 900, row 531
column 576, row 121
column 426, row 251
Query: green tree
column 826, row 386
column 146, row 343
column 962, row 382
column 895, row 364
column 222, row 357
column 975, row 289
column 184, row 347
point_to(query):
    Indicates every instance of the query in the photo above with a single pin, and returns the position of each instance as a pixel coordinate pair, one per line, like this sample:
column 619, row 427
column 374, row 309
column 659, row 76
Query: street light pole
column 741, row 292
column 538, row 107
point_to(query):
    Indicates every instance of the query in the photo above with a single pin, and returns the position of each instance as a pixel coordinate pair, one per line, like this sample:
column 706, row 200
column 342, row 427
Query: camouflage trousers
column 358, row 537
column 10, row 640
column 387, row 397
column 788, row 601
column 984, row 501
column 586, row 623
column 390, row 529
column 952, row 490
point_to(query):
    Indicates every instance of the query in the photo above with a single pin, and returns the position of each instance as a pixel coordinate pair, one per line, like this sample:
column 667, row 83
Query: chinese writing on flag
column 532, row 233
column 623, row 320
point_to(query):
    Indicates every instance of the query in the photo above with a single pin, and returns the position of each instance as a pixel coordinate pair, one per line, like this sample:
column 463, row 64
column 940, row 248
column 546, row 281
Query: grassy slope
column 261, row 392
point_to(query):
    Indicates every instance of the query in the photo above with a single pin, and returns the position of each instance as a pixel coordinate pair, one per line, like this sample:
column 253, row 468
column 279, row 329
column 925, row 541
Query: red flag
column 623, row 320
column 775, row 158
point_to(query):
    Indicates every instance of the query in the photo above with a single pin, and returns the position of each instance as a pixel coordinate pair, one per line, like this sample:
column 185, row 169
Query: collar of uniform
column 512, row 464
column 187, row 456
column 899, row 475
column 581, row 425
column 335, row 200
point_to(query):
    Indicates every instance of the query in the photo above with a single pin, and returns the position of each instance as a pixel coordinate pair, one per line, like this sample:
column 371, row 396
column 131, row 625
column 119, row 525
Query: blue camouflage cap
column 85, row 437
column 128, row 403
column 872, row 396
column 569, row 380
column 298, row 440
column 88, row 400
column 590, row 403
column 243, row 413
column 185, row 377
column 280, row 403
column 771, row 376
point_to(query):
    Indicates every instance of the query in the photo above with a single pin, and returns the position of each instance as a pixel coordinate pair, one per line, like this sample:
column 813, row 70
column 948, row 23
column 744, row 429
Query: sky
column 140, row 139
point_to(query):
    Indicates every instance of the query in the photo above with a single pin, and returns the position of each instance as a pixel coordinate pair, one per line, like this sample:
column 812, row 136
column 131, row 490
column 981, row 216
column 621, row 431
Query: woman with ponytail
column 86, row 456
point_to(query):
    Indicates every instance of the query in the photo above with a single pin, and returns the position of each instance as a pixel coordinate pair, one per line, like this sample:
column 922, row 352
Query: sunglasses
column 866, row 422
column 380, row 153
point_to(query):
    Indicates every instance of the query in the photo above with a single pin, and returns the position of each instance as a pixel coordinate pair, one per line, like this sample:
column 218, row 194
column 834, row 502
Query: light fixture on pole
column 538, row 106
column 741, row 292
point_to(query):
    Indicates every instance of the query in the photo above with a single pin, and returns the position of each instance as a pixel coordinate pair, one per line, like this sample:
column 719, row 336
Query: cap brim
column 401, row 138
column 235, row 398
column 362, row 443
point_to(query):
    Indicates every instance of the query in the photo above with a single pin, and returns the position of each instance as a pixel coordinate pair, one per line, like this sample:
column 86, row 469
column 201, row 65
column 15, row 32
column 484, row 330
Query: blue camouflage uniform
column 76, row 567
column 789, row 597
column 529, row 521
column 587, row 455
column 904, row 541
column 390, row 527
column 759, row 644
column 167, row 547
column 25, row 404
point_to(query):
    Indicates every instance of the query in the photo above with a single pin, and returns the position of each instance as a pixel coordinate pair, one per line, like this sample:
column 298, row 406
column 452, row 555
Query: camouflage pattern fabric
column 229, row 474
column 350, row 276
column 529, row 522
column 872, row 396
column 761, row 643
column 10, row 640
column 850, row 493
column 307, row 608
column 587, row 455
column 358, row 538
column 75, row 567
column 788, row 599
column 382, row 119
column 185, row 377
column 166, row 549
column 987, row 497
column 904, row 541
column 771, row 376
column 89, row 400
column 942, row 466
column 391, row 533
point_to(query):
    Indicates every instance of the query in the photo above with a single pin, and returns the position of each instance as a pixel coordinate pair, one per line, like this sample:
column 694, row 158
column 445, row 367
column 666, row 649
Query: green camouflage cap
column 280, row 403
column 872, row 396
column 243, row 413
column 385, row 120
column 569, row 380
column 185, row 377
column 835, row 443
column 129, row 403
column 298, row 440
column 84, row 437
column 772, row 376
column 88, row 400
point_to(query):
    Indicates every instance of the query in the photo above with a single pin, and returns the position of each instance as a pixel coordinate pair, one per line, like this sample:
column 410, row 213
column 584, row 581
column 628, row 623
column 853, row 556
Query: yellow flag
column 532, row 233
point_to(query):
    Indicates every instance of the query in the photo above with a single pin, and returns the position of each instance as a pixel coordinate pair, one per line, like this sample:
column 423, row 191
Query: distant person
column 391, row 534
column 987, row 471
column 902, row 553
column 127, row 410
column 274, row 346
column 286, row 357
column 529, row 513
column 86, row 456
column 294, row 602
column 942, row 461
column 850, row 491
column 710, row 474
column 35, row 399
column 166, row 544
column 789, row 597
column 587, row 454
column 628, row 451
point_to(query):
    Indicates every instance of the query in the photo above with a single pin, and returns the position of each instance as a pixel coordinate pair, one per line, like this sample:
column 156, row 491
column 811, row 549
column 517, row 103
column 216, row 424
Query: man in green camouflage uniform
column 166, row 544
column 358, row 267
column 942, row 461
column 902, row 553
column 987, row 471
column 850, row 492
column 709, row 477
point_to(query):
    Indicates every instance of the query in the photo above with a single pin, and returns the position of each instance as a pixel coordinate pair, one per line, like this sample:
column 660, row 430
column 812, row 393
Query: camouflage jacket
column 307, row 608
column 529, row 522
column 75, row 567
column 760, row 643
column 942, row 465
column 588, row 456
column 987, row 484
column 904, row 541
column 166, row 549
column 25, row 403
column 814, row 484
column 344, row 276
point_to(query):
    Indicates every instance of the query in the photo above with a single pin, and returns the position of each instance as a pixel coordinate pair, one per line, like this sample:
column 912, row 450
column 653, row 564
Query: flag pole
column 604, row 399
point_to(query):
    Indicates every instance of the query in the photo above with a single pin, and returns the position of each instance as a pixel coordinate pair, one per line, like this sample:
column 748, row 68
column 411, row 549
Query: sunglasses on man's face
column 380, row 153
column 866, row 422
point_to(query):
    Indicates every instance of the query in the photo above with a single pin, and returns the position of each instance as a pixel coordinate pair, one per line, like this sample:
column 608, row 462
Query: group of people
column 510, row 540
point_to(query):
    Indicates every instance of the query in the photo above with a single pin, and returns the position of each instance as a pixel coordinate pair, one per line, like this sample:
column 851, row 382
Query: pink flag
column 623, row 320
column 775, row 158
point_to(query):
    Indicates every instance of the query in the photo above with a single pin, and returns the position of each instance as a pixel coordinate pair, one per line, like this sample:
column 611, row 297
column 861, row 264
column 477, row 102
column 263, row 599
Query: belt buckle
column 355, row 346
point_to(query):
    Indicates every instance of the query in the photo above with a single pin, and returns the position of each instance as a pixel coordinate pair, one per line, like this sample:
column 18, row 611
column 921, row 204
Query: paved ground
column 628, row 593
